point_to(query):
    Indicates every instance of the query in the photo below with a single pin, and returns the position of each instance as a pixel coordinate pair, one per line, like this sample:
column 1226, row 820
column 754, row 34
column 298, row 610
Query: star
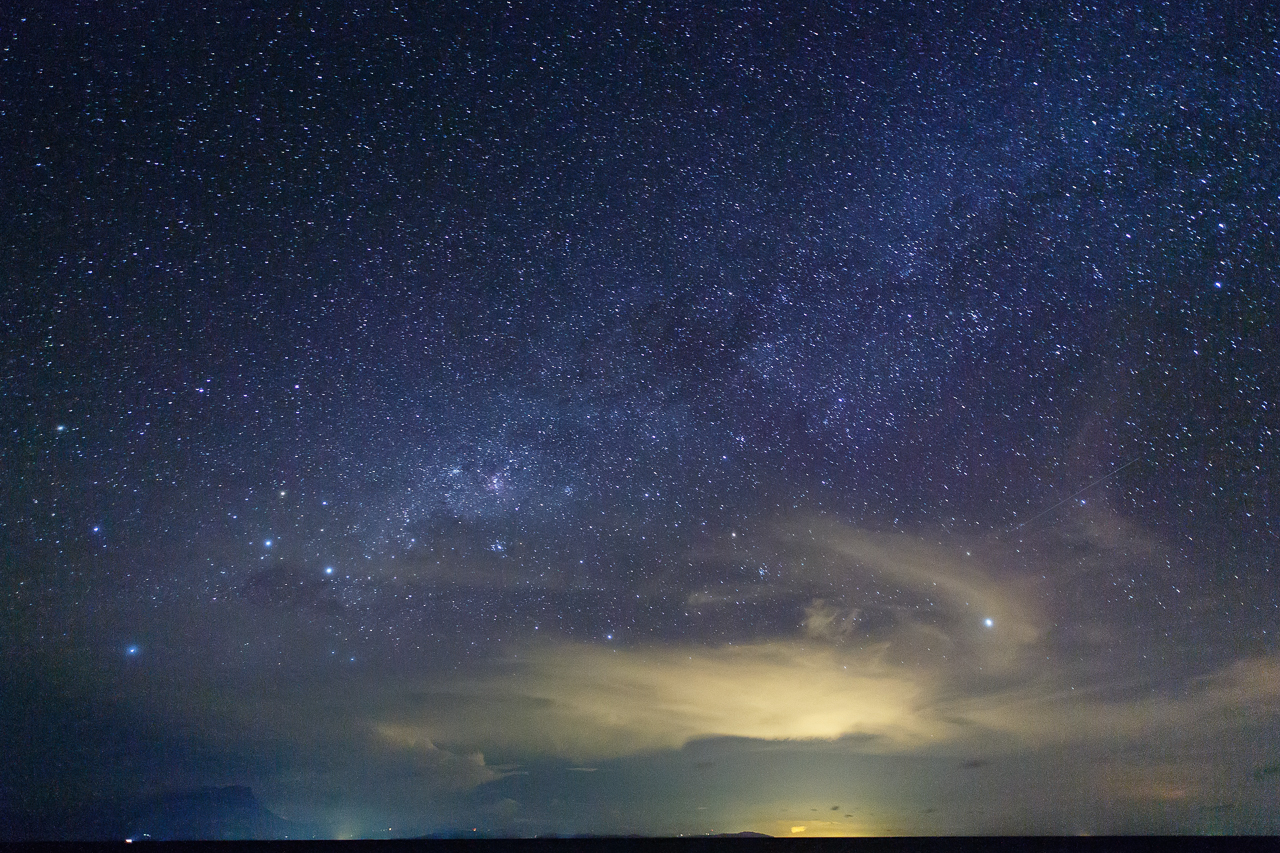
column 791, row 344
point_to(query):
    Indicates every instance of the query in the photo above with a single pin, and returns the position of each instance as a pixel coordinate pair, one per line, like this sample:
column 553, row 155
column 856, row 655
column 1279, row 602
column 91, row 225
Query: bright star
column 989, row 622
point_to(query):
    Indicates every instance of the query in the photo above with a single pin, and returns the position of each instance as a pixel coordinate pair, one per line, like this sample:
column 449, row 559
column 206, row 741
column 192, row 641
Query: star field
column 391, row 347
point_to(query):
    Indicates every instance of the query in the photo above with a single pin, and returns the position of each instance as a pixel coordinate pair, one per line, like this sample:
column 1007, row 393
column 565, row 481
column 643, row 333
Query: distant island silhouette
column 230, row 813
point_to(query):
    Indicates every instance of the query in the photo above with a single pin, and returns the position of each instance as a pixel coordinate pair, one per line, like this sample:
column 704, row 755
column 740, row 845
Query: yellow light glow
column 588, row 702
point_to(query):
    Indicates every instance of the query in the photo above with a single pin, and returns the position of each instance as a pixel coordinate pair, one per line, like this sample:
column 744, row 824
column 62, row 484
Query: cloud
column 890, row 657
column 891, row 691
column 448, row 769
column 991, row 617
column 587, row 702
column 1244, row 692
column 824, row 622
column 888, row 666
column 966, row 667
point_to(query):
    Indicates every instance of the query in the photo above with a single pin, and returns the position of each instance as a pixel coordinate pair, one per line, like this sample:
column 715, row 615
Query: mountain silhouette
column 217, row 814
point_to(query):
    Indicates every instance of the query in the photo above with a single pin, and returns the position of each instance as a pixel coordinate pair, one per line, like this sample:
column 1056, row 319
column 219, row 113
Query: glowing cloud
column 914, row 688
column 587, row 702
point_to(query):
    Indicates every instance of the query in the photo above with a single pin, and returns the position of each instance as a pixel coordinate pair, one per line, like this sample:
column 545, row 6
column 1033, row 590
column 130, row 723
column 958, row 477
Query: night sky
column 550, row 418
